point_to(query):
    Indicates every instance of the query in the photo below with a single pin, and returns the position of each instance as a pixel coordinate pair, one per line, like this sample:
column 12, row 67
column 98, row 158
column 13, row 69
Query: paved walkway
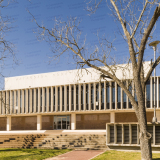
column 77, row 155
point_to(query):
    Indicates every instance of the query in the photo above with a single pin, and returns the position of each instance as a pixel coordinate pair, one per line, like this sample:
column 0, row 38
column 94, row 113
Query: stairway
column 73, row 141
column 54, row 141
column 19, row 141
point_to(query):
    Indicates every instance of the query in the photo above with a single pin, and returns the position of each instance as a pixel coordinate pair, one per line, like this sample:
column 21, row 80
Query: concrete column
column 112, row 117
column 123, row 134
column 8, row 123
column 110, row 97
column 39, row 122
column 157, row 92
column 158, row 115
column 138, row 141
column 7, row 103
column 4, row 103
column 56, row 98
column 154, row 134
column 75, row 97
column 130, row 133
column 26, row 109
column 116, row 95
column 105, row 104
column 22, row 111
column 30, row 102
column 70, row 97
column 94, row 86
column 60, row 98
column 73, row 121
column 121, row 98
column 127, row 100
column 107, row 133
column 11, row 92
column 84, row 91
column 34, row 109
column 151, row 93
column 19, row 100
column 115, row 133
column 79, row 97
column 14, row 101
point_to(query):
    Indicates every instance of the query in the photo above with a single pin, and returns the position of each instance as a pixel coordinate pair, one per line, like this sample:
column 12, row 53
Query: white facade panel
column 66, row 77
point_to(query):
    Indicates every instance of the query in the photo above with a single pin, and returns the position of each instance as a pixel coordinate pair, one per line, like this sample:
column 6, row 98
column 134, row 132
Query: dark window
column 24, row 101
column 28, row 101
column 148, row 94
column 12, row 101
column 155, row 92
column 20, row 101
column 54, row 99
column 87, row 97
column 92, row 97
column 58, row 98
column 41, row 100
column 102, row 95
column 49, row 96
column 45, row 99
column 77, row 98
column 107, row 96
column 82, row 97
column 67, row 98
column 72, row 98
column 113, row 95
column 32, row 100
column 62, row 98
column 118, row 97
column 2, row 103
column 36, row 100
column 9, row 103
column 97, row 96
column 130, row 89
column 124, row 100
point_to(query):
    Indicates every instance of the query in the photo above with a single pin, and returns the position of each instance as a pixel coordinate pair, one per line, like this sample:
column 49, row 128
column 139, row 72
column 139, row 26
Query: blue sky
column 32, row 55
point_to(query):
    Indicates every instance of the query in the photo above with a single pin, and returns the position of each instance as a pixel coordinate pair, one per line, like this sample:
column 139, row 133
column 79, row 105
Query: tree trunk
column 145, row 136
column 146, row 150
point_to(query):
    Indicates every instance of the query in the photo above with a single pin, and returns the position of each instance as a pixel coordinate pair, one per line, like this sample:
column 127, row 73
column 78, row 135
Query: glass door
column 61, row 123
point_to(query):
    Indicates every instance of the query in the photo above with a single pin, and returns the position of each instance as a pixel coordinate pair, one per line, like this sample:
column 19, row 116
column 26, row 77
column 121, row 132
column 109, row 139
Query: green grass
column 122, row 155
column 29, row 154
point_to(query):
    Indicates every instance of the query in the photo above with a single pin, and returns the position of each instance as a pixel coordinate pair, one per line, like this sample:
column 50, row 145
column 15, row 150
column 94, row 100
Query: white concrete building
column 73, row 100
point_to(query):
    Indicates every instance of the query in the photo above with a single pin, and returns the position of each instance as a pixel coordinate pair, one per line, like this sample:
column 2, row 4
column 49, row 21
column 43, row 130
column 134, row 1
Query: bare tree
column 6, row 47
column 137, row 23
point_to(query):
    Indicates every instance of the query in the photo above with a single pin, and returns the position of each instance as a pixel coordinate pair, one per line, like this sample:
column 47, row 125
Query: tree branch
column 139, row 19
column 145, row 37
column 154, row 65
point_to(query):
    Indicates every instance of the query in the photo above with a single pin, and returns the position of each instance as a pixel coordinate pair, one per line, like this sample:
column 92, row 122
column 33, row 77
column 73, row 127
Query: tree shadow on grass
column 38, row 154
column 19, row 157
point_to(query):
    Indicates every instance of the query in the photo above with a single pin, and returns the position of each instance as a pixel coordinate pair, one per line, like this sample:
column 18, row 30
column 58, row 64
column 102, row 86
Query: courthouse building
column 74, row 100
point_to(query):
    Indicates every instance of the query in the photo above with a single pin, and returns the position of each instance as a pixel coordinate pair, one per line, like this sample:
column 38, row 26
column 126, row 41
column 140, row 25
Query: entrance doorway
column 61, row 122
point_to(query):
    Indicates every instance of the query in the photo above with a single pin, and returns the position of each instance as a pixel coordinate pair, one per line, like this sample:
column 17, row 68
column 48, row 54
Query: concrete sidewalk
column 78, row 155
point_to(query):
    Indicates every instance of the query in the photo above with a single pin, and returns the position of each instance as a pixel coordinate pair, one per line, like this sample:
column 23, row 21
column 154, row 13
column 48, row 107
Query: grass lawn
column 29, row 154
column 120, row 155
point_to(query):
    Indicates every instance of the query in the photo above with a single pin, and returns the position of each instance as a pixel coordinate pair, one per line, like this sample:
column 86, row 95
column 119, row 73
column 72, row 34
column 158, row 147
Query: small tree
column 134, row 18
